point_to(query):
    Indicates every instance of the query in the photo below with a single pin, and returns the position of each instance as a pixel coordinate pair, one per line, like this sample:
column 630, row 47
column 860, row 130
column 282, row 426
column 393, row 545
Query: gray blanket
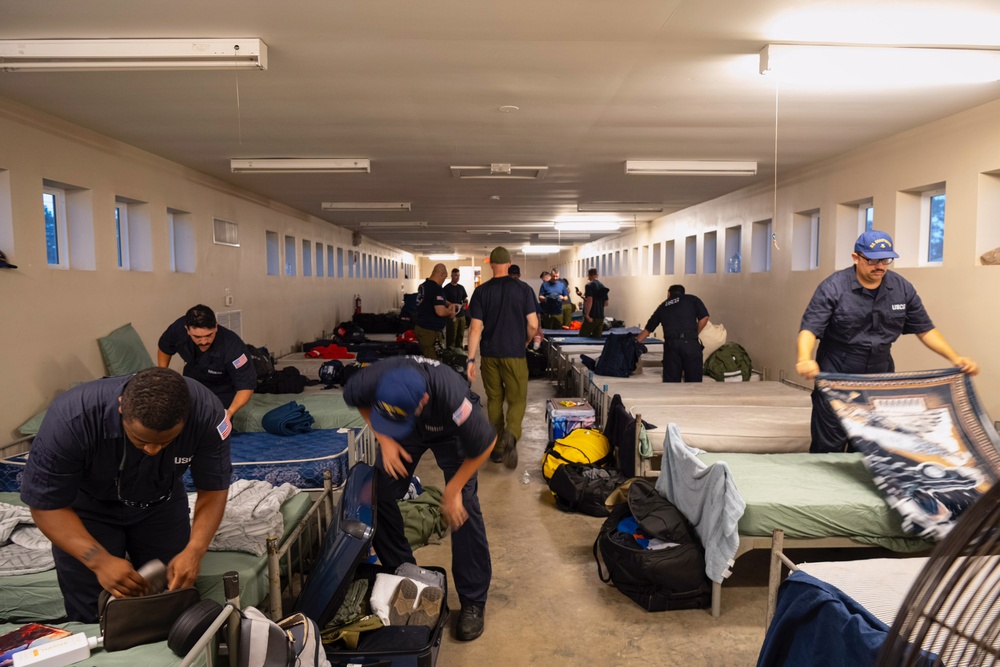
column 23, row 548
column 707, row 496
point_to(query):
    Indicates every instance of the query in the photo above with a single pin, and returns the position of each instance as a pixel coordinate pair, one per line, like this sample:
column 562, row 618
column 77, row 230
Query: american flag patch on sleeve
column 238, row 362
column 225, row 427
column 463, row 412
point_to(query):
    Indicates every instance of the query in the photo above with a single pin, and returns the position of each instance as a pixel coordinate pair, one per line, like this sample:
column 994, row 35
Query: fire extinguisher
column 357, row 304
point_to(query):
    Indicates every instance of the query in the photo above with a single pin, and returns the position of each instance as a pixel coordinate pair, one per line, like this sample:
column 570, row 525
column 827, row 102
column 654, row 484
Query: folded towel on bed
column 288, row 419
column 707, row 496
column 253, row 513
column 23, row 548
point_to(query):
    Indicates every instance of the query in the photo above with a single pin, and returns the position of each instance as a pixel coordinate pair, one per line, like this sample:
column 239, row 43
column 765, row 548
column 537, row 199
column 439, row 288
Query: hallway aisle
column 547, row 605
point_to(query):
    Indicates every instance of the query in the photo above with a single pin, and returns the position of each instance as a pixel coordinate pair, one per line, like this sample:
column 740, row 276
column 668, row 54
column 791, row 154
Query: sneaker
column 509, row 454
column 470, row 622
column 402, row 603
column 428, row 609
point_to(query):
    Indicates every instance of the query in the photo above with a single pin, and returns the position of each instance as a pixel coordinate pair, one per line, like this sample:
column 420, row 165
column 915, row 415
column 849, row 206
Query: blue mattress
column 11, row 469
column 563, row 340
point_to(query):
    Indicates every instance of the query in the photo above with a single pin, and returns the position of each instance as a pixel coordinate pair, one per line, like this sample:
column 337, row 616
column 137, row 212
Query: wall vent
column 232, row 320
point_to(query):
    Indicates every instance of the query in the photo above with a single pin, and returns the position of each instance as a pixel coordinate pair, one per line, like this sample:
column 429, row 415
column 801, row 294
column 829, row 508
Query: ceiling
column 417, row 87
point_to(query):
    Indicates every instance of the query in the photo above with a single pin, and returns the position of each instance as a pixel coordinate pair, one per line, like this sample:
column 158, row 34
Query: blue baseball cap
column 397, row 398
column 875, row 245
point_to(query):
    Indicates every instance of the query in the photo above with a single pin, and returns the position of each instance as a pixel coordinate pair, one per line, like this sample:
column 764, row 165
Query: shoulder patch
column 225, row 427
column 462, row 413
column 239, row 361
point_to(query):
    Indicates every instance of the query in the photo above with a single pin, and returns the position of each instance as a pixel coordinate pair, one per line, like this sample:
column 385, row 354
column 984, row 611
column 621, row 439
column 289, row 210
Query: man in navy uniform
column 455, row 294
column 415, row 404
column 857, row 314
column 104, row 480
column 213, row 355
column 682, row 317
column 433, row 311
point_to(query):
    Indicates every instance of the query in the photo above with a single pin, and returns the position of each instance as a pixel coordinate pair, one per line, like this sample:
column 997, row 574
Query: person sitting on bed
column 415, row 404
column 213, row 355
column 104, row 481
column 857, row 314
column 682, row 316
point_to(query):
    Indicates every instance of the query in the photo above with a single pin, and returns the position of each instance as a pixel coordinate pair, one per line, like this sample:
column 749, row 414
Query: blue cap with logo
column 397, row 398
column 875, row 245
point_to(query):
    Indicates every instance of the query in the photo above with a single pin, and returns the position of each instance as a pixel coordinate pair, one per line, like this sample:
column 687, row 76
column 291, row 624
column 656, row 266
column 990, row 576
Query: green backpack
column 730, row 363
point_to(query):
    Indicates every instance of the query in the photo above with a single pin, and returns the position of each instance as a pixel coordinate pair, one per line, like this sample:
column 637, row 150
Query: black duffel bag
column 579, row 487
column 656, row 579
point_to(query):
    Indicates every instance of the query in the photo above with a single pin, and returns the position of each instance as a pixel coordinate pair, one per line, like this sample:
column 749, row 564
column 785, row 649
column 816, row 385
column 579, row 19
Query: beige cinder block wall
column 52, row 317
column 763, row 310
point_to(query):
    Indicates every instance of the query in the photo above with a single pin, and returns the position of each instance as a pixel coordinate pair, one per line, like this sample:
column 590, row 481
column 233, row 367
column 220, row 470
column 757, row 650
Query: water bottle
column 526, row 478
column 734, row 263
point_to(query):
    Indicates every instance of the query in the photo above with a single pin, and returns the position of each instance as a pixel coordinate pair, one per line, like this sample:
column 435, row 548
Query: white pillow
column 713, row 336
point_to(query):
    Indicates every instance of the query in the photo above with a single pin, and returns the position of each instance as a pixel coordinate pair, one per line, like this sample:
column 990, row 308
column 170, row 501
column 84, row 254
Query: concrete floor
column 547, row 605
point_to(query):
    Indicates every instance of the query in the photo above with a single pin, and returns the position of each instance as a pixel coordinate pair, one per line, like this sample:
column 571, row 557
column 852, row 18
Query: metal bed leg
column 716, row 600
column 274, row 576
column 774, row 575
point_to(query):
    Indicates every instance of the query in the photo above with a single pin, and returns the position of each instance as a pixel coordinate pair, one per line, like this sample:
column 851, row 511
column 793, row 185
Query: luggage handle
column 600, row 572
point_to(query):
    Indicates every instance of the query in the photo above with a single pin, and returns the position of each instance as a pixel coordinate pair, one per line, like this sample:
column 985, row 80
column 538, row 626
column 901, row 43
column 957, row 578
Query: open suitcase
column 343, row 559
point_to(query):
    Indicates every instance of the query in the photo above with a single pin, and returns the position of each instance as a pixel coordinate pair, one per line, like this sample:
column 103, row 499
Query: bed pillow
column 123, row 351
column 30, row 427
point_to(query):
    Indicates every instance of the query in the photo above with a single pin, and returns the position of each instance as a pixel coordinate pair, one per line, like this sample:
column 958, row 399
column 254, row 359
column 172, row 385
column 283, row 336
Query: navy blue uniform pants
column 470, row 552
column 682, row 358
column 161, row 532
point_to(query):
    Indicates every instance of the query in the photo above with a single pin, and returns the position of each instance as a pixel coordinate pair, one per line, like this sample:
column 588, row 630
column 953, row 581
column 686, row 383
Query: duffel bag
column 583, row 488
column 581, row 445
column 652, row 553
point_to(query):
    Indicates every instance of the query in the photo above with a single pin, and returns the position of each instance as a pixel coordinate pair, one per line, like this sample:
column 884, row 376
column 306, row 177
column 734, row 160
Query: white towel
column 383, row 590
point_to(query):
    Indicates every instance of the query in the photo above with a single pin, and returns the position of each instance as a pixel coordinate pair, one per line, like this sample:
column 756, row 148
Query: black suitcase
column 342, row 560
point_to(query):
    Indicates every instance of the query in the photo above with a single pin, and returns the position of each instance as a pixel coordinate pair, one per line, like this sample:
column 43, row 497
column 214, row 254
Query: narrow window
column 54, row 209
column 935, row 234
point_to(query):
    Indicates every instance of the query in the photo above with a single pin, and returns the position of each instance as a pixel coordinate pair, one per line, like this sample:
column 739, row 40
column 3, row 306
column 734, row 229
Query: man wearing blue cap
column 857, row 314
column 414, row 404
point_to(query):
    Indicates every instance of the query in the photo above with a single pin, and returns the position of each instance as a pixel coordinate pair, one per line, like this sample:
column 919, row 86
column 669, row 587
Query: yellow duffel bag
column 581, row 445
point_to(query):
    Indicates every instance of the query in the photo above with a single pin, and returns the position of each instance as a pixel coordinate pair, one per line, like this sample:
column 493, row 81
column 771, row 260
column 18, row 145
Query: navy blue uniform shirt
column 678, row 316
column 856, row 330
column 76, row 456
column 430, row 294
column 455, row 293
column 225, row 368
column 503, row 305
column 596, row 290
column 449, row 413
column 552, row 293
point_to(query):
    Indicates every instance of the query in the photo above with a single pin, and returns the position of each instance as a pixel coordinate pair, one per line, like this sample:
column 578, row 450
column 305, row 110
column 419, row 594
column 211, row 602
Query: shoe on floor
column 496, row 456
column 428, row 609
column 403, row 600
column 470, row 622
column 509, row 455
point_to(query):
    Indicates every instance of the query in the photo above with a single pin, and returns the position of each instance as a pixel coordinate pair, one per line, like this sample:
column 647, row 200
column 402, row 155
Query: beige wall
column 52, row 317
column 762, row 311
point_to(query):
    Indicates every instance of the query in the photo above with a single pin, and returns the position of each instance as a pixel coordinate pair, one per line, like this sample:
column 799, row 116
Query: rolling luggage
column 342, row 561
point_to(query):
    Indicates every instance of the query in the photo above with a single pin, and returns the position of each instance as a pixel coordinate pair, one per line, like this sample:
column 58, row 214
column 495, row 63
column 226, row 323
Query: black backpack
column 583, row 488
column 263, row 363
column 289, row 380
column 537, row 364
column 655, row 579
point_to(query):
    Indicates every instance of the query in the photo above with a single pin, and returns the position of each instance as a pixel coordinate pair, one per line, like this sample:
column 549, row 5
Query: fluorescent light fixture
column 500, row 170
column 399, row 225
column 560, row 236
column 291, row 165
column 75, row 55
column 893, row 66
column 619, row 207
column 581, row 226
column 366, row 206
column 540, row 249
column 690, row 168
column 443, row 257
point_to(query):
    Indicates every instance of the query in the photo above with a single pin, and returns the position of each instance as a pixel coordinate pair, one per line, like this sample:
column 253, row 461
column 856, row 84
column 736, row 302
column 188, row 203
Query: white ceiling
column 415, row 86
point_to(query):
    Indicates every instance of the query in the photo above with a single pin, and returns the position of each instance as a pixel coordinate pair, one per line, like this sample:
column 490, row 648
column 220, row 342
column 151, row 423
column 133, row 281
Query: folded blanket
column 23, row 548
column 288, row 419
column 707, row 496
column 253, row 513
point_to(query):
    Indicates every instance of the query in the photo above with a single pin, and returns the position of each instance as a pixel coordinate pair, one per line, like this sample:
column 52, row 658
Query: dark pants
column 470, row 552
column 828, row 434
column 161, row 532
column 682, row 357
column 593, row 329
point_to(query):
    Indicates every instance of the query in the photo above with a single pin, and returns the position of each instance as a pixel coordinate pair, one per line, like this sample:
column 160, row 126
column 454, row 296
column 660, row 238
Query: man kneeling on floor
column 413, row 405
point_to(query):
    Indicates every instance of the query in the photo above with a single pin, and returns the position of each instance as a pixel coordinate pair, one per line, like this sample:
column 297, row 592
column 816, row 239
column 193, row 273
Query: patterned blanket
column 931, row 448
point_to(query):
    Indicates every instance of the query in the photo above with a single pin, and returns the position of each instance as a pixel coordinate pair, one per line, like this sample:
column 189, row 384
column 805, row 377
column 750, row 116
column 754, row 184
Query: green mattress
column 36, row 597
column 327, row 408
column 814, row 496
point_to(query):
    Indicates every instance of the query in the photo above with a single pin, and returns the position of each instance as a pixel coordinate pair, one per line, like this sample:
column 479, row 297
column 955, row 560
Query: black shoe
column 496, row 456
column 509, row 454
column 470, row 622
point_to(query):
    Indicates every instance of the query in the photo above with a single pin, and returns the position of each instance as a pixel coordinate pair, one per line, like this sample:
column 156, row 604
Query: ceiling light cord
column 774, row 203
column 236, row 71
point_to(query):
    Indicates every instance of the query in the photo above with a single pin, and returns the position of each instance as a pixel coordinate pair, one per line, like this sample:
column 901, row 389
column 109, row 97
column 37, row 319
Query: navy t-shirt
column 678, row 315
column 503, row 304
column 552, row 293
column 451, row 410
column 455, row 293
column 430, row 294
column 596, row 290
column 76, row 456
column 857, row 328
column 225, row 368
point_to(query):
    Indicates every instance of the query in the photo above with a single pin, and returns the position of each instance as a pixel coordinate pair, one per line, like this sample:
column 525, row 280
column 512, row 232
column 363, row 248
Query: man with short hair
column 455, row 294
column 504, row 322
column 857, row 314
column 105, row 481
column 414, row 405
column 213, row 355
column 551, row 295
column 682, row 317
column 595, row 299
column 433, row 311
